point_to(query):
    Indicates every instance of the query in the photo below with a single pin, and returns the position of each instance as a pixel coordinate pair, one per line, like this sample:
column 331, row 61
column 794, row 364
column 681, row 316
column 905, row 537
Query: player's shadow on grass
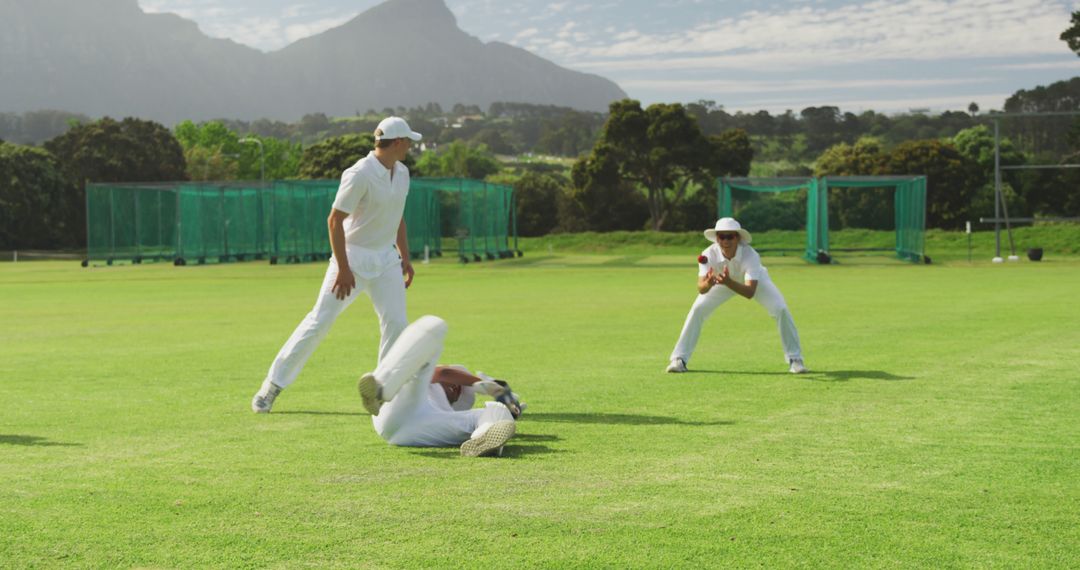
column 314, row 413
column 519, row 446
column 814, row 375
column 847, row 375
column 623, row 419
column 33, row 441
column 736, row 373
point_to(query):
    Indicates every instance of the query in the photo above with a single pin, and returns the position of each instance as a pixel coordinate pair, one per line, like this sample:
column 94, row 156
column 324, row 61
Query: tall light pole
column 262, row 160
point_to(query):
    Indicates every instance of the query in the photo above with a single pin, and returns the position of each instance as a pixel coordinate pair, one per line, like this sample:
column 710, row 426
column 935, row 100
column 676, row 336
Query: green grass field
column 938, row 428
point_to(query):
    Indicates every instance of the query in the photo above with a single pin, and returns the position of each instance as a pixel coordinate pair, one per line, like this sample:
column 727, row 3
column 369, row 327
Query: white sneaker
column 677, row 365
column 264, row 398
column 492, row 440
column 370, row 393
column 797, row 367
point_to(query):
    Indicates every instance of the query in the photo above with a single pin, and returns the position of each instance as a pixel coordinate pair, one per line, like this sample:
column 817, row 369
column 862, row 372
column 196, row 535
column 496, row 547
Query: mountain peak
column 161, row 66
column 413, row 13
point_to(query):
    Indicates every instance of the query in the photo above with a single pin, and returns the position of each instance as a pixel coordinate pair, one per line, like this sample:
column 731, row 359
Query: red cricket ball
column 702, row 259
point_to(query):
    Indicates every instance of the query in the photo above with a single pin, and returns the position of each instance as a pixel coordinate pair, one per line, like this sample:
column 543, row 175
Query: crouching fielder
column 719, row 268
column 416, row 403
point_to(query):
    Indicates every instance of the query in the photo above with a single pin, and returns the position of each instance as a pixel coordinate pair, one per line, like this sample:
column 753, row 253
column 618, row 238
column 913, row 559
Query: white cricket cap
column 728, row 225
column 396, row 128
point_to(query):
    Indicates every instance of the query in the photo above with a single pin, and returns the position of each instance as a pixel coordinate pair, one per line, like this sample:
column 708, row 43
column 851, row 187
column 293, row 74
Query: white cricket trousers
column 387, row 292
column 767, row 295
column 410, row 417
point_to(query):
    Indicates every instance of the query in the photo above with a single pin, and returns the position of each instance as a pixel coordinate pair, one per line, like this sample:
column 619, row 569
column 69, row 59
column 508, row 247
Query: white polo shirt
column 746, row 262
column 374, row 202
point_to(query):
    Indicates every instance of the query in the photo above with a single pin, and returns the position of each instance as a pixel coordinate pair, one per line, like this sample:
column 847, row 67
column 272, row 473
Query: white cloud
column 295, row 10
column 882, row 105
column 730, row 86
column 1073, row 64
column 526, row 33
column 873, row 31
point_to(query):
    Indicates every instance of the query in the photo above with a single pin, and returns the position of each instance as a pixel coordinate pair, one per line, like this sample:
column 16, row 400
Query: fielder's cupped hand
column 344, row 283
column 408, row 271
column 724, row 278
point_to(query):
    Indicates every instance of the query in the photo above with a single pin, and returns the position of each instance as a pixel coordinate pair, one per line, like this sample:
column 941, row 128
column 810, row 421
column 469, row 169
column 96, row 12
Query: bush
column 132, row 150
column 329, row 158
column 32, row 193
column 774, row 213
column 538, row 202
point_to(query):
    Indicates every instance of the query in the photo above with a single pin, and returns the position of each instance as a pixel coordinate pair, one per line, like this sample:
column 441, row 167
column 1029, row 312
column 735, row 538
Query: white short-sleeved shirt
column 374, row 202
column 746, row 263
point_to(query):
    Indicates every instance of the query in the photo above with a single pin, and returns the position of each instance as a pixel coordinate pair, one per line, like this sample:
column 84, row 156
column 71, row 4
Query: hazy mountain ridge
column 108, row 57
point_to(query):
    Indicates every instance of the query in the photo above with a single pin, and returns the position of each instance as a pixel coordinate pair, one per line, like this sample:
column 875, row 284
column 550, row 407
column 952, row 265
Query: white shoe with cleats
column 264, row 398
column 491, row 442
column 677, row 365
column 370, row 393
column 797, row 367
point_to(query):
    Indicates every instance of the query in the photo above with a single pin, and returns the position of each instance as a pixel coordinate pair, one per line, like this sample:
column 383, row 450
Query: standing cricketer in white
column 720, row 267
column 365, row 223
column 414, row 402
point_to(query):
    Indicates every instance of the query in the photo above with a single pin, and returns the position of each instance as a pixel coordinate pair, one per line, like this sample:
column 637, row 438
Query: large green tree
column 280, row 157
column 1071, row 35
column 216, row 152
column 330, row 157
column 210, row 164
column 32, row 208
column 977, row 144
column 823, row 127
column 600, row 198
column 1047, row 136
column 131, row 150
column 537, row 196
column 863, row 158
column 952, row 179
column 660, row 150
column 459, row 160
column 870, row 208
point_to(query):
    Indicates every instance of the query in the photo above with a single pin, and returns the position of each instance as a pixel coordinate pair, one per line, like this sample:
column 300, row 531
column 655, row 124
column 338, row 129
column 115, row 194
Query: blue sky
column 885, row 55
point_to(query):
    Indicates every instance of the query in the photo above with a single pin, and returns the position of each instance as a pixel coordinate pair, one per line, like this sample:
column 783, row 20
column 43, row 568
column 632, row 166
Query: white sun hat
column 728, row 225
column 395, row 128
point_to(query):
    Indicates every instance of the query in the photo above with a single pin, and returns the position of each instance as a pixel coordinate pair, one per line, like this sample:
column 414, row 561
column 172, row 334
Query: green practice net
column 284, row 221
column 741, row 198
column 131, row 223
column 299, row 209
column 220, row 222
column 908, row 195
column 479, row 215
column 909, row 211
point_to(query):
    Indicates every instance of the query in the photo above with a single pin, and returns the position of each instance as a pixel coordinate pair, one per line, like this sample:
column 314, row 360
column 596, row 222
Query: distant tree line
column 631, row 168
column 35, row 127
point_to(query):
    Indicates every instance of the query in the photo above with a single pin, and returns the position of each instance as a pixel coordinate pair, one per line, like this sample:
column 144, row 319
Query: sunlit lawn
column 939, row 426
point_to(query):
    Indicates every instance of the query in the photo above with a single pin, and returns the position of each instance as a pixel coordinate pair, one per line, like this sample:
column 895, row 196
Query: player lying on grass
column 720, row 268
column 413, row 402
